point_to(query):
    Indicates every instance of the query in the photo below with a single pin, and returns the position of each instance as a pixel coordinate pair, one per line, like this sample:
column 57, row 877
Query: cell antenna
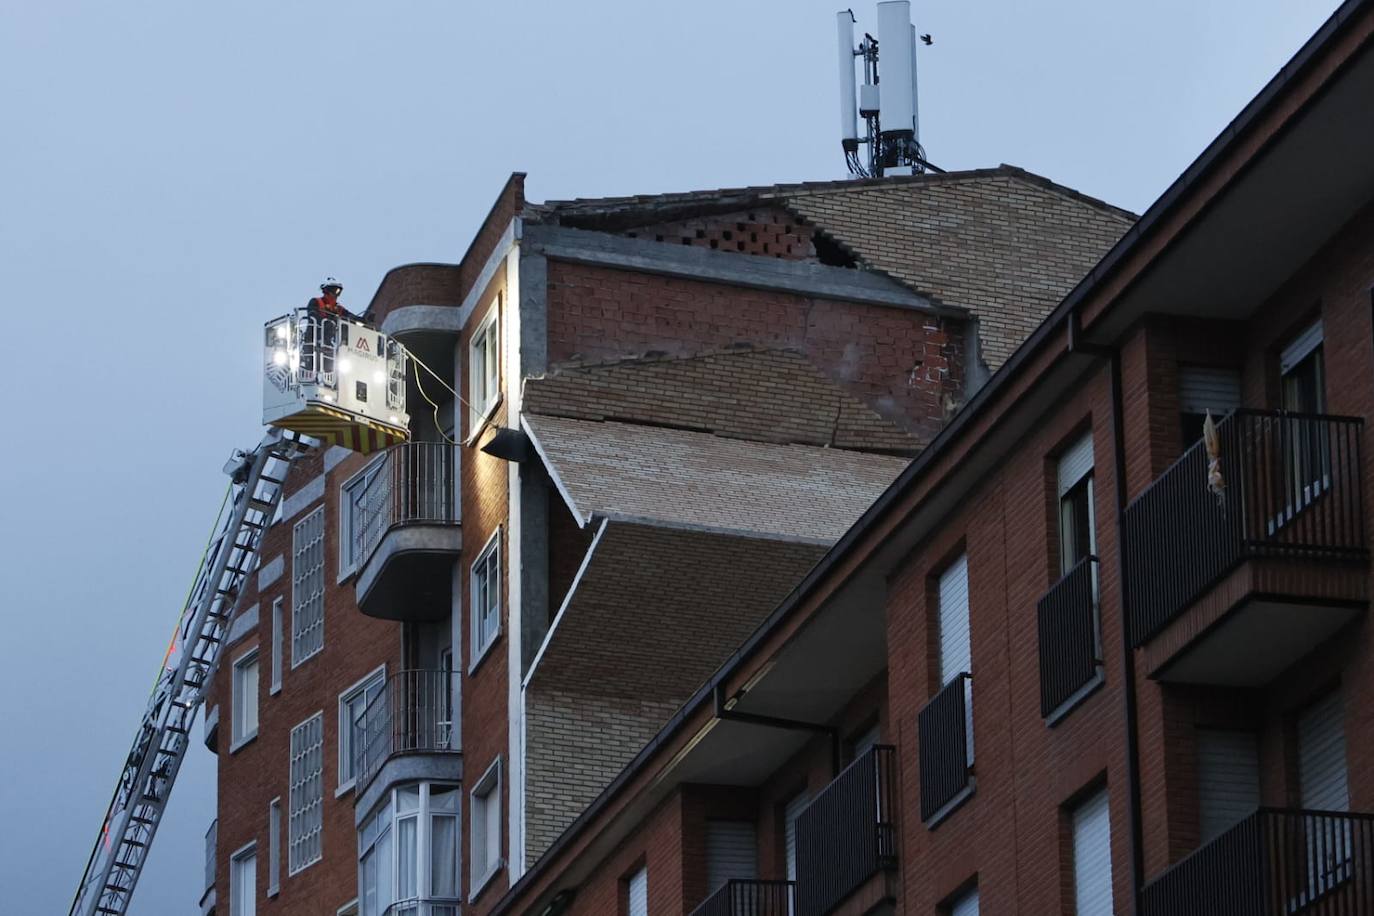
column 886, row 100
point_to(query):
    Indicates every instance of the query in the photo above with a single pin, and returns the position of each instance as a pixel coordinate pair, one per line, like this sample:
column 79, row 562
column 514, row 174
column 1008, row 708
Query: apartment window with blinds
column 245, row 700
column 485, row 598
column 1303, row 372
column 307, row 587
column 1203, row 390
column 484, row 366
column 963, row 904
column 278, row 612
column 1077, row 537
column 243, row 881
column 731, row 853
column 637, row 893
column 1092, row 856
column 485, row 823
column 956, row 652
column 305, row 812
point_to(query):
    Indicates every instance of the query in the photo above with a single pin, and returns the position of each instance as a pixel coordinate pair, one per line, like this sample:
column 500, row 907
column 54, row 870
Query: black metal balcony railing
column 848, row 832
column 942, row 727
column 1274, row 863
column 411, row 484
column 413, row 714
column 211, row 843
column 1070, row 641
column 1293, row 488
column 749, row 898
column 422, row 906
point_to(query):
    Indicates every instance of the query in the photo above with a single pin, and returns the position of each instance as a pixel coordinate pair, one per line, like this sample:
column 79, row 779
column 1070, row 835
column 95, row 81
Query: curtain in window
column 444, row 855
column 407, row 862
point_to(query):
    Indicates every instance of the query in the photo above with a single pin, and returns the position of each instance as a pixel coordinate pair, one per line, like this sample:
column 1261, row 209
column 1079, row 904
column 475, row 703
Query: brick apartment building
column 671, row 408
column 1085, row 655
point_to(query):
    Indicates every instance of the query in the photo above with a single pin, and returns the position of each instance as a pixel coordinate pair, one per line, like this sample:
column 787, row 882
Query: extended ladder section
column 140, row 795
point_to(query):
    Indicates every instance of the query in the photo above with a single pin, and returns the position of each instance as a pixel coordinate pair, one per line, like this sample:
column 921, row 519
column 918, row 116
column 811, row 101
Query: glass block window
column 307, row 587
column 306, row 803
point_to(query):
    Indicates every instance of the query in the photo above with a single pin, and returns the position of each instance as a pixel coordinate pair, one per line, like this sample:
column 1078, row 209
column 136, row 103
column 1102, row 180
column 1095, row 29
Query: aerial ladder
column 326, row 381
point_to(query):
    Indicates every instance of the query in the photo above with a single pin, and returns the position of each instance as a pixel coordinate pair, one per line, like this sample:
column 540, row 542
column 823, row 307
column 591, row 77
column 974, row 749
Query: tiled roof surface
column 762, row 395
column 697, row 480
column 1003, row 243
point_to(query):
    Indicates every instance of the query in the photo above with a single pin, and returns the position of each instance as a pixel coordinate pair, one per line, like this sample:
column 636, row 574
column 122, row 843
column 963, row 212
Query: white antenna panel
column 849, row 118
column 915, row 96
column 897, row 67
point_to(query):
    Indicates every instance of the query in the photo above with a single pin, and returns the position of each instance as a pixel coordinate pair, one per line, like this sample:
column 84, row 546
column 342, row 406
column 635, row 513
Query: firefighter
column 327, row 302
column 323, row 312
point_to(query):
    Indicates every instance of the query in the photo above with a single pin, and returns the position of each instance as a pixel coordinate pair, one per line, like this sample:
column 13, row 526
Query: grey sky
column 172, row 174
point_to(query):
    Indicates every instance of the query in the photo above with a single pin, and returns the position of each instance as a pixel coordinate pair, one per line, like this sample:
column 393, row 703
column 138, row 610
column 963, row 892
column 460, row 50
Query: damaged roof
column 1003, row 243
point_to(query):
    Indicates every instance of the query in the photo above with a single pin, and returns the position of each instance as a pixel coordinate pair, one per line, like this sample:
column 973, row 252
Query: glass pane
column 384, row 875
column 444, row 856
column 443, row 800
column 406, row 862
column 407, row 799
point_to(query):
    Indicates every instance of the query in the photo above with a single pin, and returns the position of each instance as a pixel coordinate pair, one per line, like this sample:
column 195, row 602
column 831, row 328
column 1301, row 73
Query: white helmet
column 331, row 283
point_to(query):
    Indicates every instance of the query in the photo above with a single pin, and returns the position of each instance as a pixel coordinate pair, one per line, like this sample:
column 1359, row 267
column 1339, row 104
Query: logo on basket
column 360, row 344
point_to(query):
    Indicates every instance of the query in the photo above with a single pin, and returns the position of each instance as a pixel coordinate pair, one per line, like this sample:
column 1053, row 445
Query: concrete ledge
column 422, row 319
column 435, row 766
column 403, row 540
column 819, row 280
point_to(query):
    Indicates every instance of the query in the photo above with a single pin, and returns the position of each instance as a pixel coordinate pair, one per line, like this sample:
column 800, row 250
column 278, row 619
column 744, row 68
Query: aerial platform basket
column 335, row 380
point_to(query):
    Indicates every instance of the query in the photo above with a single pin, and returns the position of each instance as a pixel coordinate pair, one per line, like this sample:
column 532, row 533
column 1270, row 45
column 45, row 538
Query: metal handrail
column 946, row 749
column 738, row 897
column 1070, row 636
column 424, row 906
column 1293, row 486
column 412, row 714
column 848, row 832
column 1274, row 862
column 411, row 484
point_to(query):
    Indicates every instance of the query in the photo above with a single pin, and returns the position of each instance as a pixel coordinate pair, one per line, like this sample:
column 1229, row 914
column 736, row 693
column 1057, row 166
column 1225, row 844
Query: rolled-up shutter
column 966, row 905
column 1204, row 388
column 731, row 852
column 1228, row 779
column 1322, row 781
column 1092, row 857
column 789, row 816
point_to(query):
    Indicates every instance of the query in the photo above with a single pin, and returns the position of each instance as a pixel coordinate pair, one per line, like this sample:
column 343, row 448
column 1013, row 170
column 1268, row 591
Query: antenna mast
column 891, row 132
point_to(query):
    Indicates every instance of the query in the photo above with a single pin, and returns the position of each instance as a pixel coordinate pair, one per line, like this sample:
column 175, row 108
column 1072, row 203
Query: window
column 485, row 822
column 277, row 614
column 1077, row 538
column 485, row 598
column 360, row 499
column 965, row 904
column 956, row 653
column 1307, row 473
column 1203, row 390
column 352, row 703
column 637, row 893
column 306, row 799
column 1324, row 785
column 484, row 366
column 1303, row 372
column 1092, row 857
column 448, row 736
column 793, row 809
column 274, row 847
column 243, row 881
column 307, row 587
column 408, row 851
column 1227, row 777
column 245, row 699
column 731, row 853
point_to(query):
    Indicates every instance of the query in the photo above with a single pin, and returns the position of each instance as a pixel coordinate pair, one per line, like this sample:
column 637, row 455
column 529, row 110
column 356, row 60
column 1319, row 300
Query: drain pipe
column 1113, row 354
column 725, row 711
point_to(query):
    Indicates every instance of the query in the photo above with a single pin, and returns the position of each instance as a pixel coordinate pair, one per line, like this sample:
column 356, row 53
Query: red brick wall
column 766, row 231
column 485, row 496
column 657, row 845
column 904, row 363
column 251, row 777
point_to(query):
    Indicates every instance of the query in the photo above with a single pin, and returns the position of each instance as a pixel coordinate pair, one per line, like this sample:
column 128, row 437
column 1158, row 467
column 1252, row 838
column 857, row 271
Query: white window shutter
column 954, row 627
column 1300, row 348
column 1092, row 857
column 1228, row 779
column 789, row 815
column 1076, row 463
column 731, row 852
column 639, row 893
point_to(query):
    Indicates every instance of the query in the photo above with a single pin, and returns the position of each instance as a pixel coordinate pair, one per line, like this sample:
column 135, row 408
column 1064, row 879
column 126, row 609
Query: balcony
column 945, row 729
column 207, row 897
column 422, row 907
column 846, row 836
column 1070, row 640
column 412, row 717
column 749, row 898
column 1274, row 863
column 401, row 530
column 1233, row 589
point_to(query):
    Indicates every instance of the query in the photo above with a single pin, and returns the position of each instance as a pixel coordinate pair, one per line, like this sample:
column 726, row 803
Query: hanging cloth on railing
column 1215, row 481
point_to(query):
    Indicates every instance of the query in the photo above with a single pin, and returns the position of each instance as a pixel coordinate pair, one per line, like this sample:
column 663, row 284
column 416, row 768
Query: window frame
column 486, row 341
column 477, row 650
column 358, row 688
column 274, row 847
column 247, row 851
column 238, row 735
column 278, row 644
column 347, row 567
column 385, row 817
column 296, row 638
column 486, row 791
column 295, row 814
